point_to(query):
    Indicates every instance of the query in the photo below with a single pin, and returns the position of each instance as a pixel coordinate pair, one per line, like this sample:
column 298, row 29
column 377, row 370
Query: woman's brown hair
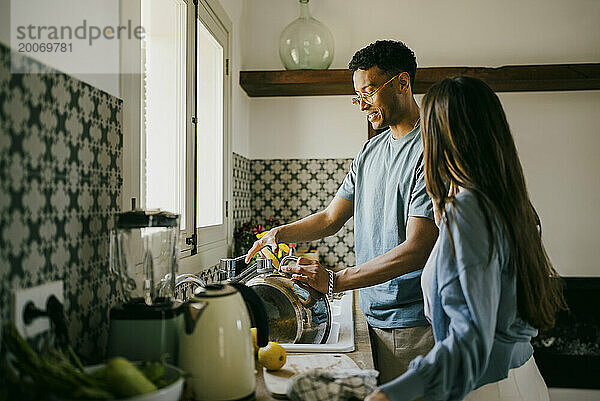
column 468, row 144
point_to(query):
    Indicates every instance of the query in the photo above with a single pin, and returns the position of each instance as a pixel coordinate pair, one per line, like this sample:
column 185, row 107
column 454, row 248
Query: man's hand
column 316, row 226
column 309, row 272
column 269, row 239
column 377, row 395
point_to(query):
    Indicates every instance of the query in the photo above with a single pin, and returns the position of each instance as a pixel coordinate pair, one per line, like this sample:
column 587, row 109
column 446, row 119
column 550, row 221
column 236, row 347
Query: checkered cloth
column 332, row 385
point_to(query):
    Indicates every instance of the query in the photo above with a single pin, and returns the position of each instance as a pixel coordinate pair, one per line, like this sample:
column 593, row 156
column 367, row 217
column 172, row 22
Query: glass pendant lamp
column 306, row 44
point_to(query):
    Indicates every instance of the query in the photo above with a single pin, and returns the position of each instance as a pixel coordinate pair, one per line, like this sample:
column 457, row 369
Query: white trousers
column 524, row 383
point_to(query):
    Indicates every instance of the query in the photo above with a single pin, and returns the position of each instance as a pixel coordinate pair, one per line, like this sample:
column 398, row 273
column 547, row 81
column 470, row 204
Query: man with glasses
column 394, row 230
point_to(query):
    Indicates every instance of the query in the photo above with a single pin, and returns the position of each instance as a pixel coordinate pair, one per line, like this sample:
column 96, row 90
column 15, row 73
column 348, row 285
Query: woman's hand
column 309, row 272
column 377, row 395
column 437, row 214
column 269, row 239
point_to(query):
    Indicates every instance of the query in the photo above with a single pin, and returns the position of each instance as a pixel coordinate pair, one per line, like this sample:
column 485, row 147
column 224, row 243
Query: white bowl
column 172, row 392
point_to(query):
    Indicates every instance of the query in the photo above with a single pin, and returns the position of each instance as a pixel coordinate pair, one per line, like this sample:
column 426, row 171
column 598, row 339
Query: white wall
column 305, row 128
column 238, row 13
column 442, row 33
column 556, row 132
column 106, row 82
column 558, row 139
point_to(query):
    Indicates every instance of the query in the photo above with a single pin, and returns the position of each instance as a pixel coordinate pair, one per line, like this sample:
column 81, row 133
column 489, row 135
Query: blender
column 143, row 257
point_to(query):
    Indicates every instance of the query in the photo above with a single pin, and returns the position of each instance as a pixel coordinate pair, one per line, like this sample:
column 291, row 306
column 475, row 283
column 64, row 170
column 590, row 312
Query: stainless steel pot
column 296, row 313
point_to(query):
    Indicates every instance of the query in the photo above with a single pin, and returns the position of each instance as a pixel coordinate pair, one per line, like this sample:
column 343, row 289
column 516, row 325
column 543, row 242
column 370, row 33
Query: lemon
column 254, row 342
column 272, row 356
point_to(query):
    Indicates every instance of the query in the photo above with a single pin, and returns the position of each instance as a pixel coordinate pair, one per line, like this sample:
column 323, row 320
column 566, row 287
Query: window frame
column 185, row 246
column 217, row 236
column 203, row 247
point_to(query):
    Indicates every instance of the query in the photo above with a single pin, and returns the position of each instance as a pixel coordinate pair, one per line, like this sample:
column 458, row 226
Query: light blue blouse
column 478, row 335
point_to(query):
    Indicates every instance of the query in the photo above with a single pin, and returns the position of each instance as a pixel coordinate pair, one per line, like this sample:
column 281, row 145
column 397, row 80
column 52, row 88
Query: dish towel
column 332, row 385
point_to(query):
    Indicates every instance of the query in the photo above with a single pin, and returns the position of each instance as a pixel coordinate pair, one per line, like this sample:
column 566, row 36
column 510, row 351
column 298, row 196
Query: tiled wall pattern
column 60, row 181
column 291, row 189
column 242, row 190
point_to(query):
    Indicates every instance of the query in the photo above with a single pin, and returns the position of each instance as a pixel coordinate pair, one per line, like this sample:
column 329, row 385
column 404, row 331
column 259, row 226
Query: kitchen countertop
column 361, row 355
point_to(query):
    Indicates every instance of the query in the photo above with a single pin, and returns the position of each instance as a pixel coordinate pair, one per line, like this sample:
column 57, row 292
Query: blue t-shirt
column 386, row 183
column 478, row 333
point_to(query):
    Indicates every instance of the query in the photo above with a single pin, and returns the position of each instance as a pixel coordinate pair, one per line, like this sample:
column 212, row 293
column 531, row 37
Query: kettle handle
column 191, row 314
column 258, row 314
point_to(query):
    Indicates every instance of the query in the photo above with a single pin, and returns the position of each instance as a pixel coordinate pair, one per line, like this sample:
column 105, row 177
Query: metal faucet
column 189, row 278
column 185, row 284
column 228, row 269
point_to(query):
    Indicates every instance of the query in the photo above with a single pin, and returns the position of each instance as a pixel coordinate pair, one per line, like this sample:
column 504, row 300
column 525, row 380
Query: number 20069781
column 45, row 47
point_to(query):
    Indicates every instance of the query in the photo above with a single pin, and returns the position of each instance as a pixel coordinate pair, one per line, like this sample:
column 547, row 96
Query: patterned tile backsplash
column 242, row 190
column 60, row 183
column 289, row 190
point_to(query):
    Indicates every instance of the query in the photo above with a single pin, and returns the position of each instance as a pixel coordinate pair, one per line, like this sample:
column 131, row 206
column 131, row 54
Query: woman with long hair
column 488, row 284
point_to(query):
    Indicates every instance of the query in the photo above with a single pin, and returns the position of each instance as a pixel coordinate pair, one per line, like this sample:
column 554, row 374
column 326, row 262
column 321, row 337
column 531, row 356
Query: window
column 179, row 149
column 209, row 129
column 212, row 126
column 164, row 99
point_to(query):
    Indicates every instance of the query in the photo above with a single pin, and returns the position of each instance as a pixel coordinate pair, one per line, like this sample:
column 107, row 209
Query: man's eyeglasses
column 368, row 97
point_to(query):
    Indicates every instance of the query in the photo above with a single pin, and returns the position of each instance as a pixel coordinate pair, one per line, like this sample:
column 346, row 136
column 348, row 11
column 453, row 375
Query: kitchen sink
column 341, row 337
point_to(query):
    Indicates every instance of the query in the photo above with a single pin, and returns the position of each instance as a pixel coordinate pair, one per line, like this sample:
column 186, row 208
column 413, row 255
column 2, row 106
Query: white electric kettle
column 215, row 347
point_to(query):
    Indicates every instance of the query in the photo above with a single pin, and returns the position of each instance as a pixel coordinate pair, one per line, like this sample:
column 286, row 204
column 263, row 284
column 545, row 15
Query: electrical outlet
column 39, row 296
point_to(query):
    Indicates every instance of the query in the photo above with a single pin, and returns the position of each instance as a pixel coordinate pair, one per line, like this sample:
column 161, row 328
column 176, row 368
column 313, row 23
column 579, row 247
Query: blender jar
column 143, row 255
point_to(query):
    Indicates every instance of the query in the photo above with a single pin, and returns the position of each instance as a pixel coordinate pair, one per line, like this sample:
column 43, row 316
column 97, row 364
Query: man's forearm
column 310, row 228
column 400, row 260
